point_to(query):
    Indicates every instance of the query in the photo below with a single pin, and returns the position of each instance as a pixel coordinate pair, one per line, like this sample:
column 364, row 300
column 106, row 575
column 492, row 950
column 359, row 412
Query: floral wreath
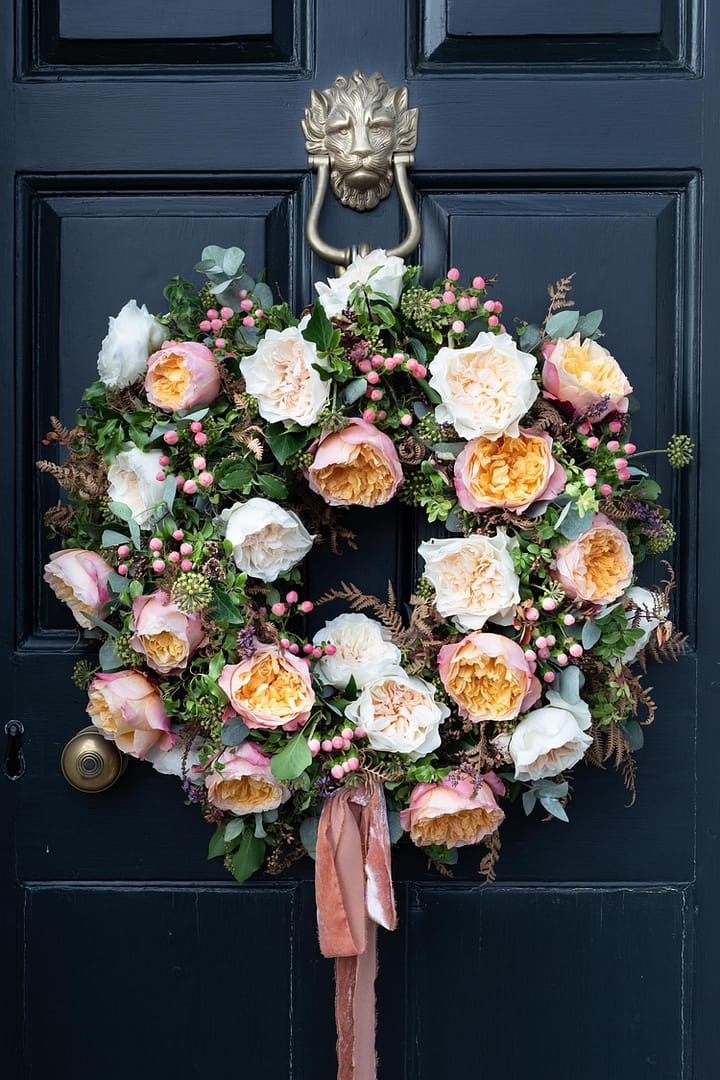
column 210, row 458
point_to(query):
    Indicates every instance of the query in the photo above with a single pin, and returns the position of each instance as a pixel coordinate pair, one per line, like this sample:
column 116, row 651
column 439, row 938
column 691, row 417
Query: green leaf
column 529, row 337
column 590, row 323
column 308, row 834
column 394, row 827
column 110, row 538
column 562, row 324
column 319, row 329
column 216, row 847
column 353, row 390
column 591, row 634
column 225, row 609
column 103, row 625
column 284, row 443
column 233, row 829
column 572, row 523
column 216, row 665
column 272, row 486
column 168, row 495
column 121, row 511
column 237, row 478
column 292, row 760
column 633, row 733
column 249, row 856
column 117, row 582
column 109, row 659
column 234, row 732
column 430, row 394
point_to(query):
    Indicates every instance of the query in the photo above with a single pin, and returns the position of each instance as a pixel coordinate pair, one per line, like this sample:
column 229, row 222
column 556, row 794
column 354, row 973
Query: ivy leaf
column 237, row 478
column 562, row 324
column 272, row 486
column 284, row 443
column 319, row 330
column 225, row 609
column 249, row 856
column 292, row 760
column 216, row 847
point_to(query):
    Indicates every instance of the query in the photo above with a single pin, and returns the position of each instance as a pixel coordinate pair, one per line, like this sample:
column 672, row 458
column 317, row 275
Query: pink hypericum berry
column 307, row 648
column 330, row 649
column 615, row 426
column 220, row 343
column 259, row 313
column 200, row 438
column 549, row 677
column 406, row 419
column 158, row 566
column 205, row 479
column 463, row 303
column 532, row 614
column 337, row 742
column 375, row 395
column 391, row 363
column 122, row 569
column 478, row 282
column 625, row 474
column 199, row 463
column 530, row 654
column 353, row 763
column 170, row 437
column 377, row 360
column 327, row 745
column 360, row 732
column 364, row 366
column 569, row 620
column 190, row 487
column 226, row 313
column 458, row 326
column 613, row 445
column 453, row 274
column 541, row 642
column 196, row 426
column 549, row 603
column 420, row 371
column 498, row 307
column 576, row 649
column 347, row 733
column 448, row 297
column 160, row 476
column 186, row 549
column 620, row 463
column 593, row 442
column 382, row 415
column 544, row 654
column 164, row 460
column 217, row 324
column 123, row 551
column 314, row 746
column 248, row 321
column 493, row 321
column 337, row 772
column 550, row 640
column 346, row 746
column 473, row 303
column 242, row 293
column 211, row 313
column 373, row 378
column 605, row 489
column 179, row 481
column 246, row 305
column 155, row 544
column 186, row 565
column 178, row 534
column 279, row 608
column 435, row 303
column 291, row 597
column 562, row 659
column 284, row 643
column 205, row 326
column 489, row 305
column 174, row 556
column 412, row 364
column 590, row 477
column 368, row 415
column 295, row 649
column 584, row 428
column 629, row 448
column 306, row 607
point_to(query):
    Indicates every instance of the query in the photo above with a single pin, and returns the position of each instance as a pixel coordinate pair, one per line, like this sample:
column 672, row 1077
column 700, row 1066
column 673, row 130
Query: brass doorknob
column 90, row 762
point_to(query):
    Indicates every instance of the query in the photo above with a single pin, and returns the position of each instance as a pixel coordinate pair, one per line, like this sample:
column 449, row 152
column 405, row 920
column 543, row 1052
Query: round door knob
column 90, row 762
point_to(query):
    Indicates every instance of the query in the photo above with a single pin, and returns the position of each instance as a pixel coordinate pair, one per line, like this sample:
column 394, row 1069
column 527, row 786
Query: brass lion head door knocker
column 360, row 134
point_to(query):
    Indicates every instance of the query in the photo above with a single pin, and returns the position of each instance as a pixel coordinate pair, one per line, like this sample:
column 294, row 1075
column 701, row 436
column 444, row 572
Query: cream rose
column 455, row 812
column 597, row 567
column 549, row 740
column 647, row 611
column 164, row 634
column 585, row 374
column 267, row 540
column 128, row 710
column 281, row 375
column 474, row 578
column 132, row 480
column 80, row 579
column 382, row 273
column 271, row 689
column 245, row 784
column 488, row 676
column 362, row 651
column 508, row 472
column 132, row 335
column 357, row 466
column 399, row 714
column 485, row 388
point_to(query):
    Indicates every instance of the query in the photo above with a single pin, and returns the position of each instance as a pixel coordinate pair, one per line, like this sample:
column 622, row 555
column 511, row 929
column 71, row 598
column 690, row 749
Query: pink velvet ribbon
column 353, row 892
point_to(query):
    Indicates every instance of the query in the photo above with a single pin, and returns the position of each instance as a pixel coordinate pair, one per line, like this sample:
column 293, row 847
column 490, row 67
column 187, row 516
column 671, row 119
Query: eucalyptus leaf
column 394, row 827
column 102, row 625
column 530, row 337
column 168, row 495
column 194, row 414
column 572, row 523
column 117, row 582
column 234, row 732
column 232, row 261
column 353, row 390
column 562, row 324
column 589, row 324
column 591, row 634
column 263, row 294
column 569, row 682
column 110, row 538
column 633, row 733
column 293, row 759
column 249, row 856
column 259, row 827
column 554, row 807
column 120, row 510
column 308, row 834
column 452, row 522
column 529, row 798
column 109, row 659
column 233, row 829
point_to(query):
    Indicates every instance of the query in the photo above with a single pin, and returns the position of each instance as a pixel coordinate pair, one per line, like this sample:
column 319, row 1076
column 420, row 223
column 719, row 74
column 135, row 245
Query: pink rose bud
column 613, row 445
column 155, row 544
column 317, row 652
column 294, row 649
column 489, row 305
column 590, row 477
column 584, row 428
column 347, row 733
column 158, row 566
column 375, row 395
column 615, row 426
column 435, row 303
column 478, row 282
column 186, row 565
column 382, row 415
column 448, row 297
column 498, row 307
column 307, row 648
column 259, row 313
column 360, row 732
column 278, row 609
column 179, row 481
column 593, row 442
column 216, row 324
column 200, row 438
column 548, row 603
column 220, row 343
column 327, row 745
column 292, row 597
column 170, row 437
column 190, row 487
column 160, row 476
column 530, row 654
column 541, row 642
column 473, row 303
column 284, row 643
column 550, row 640
column 453, row 274
column 337, row 772
column 226, row 313
column 123, row 551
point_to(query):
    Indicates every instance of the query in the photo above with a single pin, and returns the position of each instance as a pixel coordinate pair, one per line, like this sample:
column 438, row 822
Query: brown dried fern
column 489, row 862
column 558, row 294
column 386, row 611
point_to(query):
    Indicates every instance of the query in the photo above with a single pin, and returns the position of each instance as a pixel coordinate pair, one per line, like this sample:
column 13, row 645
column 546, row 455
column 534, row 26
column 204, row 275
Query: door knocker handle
column 360, row 135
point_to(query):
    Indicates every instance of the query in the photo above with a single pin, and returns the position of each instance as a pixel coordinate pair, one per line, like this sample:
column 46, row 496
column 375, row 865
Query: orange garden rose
column 455, row 812
column 245, row 784
column 128, row 709
column 357, row 466
column 182, row 375
column 508, row 472
column 488, row 677
column 598, row 566
column 584, row 374
column 271, row 689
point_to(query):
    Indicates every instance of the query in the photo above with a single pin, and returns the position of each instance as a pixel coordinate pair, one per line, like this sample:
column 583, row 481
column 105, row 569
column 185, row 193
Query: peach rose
column 182, row 375
column 357, row 466
column 508, row 472
column 79, row 578
column 245, row 785
column 584, row 375
column 128, row 710
column 488, row 676
column 164, row 634
column 453, row 813
column 598, row 566
column 272, row 689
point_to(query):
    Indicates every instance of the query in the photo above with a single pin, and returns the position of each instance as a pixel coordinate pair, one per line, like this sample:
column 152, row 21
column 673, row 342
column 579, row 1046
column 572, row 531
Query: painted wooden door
column 552, row 139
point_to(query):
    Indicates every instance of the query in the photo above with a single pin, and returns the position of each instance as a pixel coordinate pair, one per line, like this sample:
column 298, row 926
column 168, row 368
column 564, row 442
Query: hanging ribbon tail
column 353, row 890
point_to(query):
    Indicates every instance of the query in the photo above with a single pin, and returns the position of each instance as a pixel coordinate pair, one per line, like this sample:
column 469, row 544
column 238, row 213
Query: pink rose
column 357, row 466
column 269, row 690
column 129, row 711
column 79, row 578
column 488, row 676
column 508, row 472
column 584, row 375
column 182, row 375
column 164, row 634
column 455, row 812
column 598, row 566
column 245, row 785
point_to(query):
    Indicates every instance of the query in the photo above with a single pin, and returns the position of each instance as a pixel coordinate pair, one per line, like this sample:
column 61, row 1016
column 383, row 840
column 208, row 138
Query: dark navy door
column 552, row 139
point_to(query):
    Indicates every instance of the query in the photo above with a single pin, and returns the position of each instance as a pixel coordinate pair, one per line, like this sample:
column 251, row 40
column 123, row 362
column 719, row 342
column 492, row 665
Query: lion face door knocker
column 359, row 133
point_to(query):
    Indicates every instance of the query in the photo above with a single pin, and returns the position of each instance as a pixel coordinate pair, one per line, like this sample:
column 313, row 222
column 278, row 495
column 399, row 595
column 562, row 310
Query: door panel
column 573, row 143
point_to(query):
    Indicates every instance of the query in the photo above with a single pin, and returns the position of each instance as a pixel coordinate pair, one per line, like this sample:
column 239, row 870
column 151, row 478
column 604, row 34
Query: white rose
column 648, row 612
column 387, row 280
column 132, row 335
column 486, row 388
column 549, row 740
column 170, row 762
column 474, row 579
column 399, row 714
column 280, row 374
column 363, row 651
column 267, row 540
column 132, row 481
